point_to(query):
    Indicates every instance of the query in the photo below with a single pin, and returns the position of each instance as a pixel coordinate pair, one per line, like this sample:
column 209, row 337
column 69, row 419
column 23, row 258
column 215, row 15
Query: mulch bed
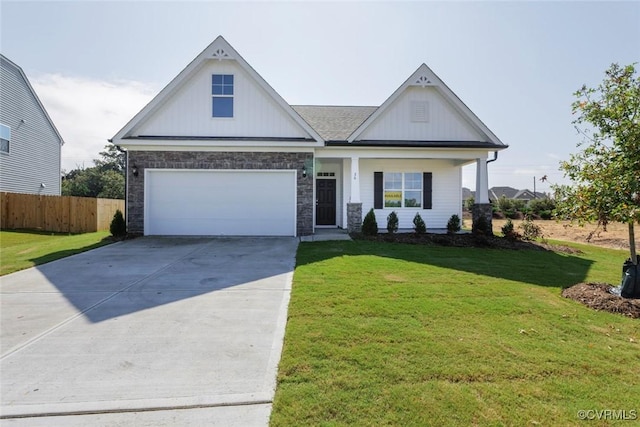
column 598, row 297
column 466, row 240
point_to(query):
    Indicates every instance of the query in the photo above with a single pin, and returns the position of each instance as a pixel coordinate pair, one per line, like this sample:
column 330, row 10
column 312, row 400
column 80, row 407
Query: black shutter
column 427, row 190
column 377, row 190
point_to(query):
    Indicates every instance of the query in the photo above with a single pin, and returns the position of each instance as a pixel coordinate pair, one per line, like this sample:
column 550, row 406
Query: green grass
column 394, row 334
column 22, row 249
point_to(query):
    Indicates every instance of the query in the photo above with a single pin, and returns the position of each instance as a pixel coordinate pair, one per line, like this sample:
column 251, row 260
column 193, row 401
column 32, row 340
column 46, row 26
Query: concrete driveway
column 152, row 331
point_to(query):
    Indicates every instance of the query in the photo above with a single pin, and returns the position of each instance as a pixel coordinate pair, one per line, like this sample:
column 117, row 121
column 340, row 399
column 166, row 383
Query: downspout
column 495, row 157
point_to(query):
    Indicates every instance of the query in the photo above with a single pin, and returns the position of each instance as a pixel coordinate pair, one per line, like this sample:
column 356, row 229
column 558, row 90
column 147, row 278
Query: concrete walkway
column 152, row 331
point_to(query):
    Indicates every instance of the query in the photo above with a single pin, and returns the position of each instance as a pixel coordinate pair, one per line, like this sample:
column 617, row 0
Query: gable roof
column 219, row 49
column 496, row 193
column 422, row 77
column 334, row 123
column 16, row 67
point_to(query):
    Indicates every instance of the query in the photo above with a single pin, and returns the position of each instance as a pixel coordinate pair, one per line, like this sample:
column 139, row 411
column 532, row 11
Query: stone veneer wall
column 482, row 209
column 218, row 160
column 354, row 217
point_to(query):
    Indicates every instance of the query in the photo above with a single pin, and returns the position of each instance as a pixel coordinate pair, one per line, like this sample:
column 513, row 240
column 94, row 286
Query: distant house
column 495, row 193
column 30, row 144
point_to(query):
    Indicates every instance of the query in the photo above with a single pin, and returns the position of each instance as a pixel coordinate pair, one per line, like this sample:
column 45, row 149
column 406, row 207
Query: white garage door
column 213, row 203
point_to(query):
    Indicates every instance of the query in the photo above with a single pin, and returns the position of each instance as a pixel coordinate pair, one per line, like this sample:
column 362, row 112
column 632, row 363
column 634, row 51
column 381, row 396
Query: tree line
column 105, row 179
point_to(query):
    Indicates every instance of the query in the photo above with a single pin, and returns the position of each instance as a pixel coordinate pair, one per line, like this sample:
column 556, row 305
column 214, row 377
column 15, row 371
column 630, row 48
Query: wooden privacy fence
column 63, row 214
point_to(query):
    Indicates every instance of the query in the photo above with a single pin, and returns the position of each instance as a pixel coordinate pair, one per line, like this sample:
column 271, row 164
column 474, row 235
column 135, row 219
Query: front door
column 325, row 202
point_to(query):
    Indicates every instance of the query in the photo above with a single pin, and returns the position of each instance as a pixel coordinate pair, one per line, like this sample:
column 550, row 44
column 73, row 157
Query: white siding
column 447, row 183
column 34, row 153
column 187, row 112
column 444, row 122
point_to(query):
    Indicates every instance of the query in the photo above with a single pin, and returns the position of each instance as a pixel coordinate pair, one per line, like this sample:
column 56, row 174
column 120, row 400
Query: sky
column 515, row 64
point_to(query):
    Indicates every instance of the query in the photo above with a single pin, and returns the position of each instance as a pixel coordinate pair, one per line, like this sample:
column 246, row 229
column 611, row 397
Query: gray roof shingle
column 334, row 123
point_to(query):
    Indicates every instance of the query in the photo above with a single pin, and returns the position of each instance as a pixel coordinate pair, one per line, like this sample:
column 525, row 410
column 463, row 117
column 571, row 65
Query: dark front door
column 326, row 202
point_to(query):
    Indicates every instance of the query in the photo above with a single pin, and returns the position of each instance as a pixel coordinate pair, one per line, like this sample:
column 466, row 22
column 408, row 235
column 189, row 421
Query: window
column 222, row 95
column 403, row 190
column 5, row 138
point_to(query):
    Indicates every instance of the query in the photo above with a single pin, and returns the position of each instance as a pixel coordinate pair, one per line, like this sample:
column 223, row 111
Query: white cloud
column 87, row 112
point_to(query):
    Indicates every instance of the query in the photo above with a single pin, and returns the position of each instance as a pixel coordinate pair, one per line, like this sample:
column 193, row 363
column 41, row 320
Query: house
column 30, row 144
column 219, row 152
column 496, row 193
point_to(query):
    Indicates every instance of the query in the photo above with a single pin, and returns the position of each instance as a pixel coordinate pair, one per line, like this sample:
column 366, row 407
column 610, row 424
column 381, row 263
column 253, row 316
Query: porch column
column 354, row 207
column 482, row 207
column 482, row 182
column 355, row 180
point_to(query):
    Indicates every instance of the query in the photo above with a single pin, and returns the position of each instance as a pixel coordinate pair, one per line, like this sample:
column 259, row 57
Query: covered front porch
column 347, row 184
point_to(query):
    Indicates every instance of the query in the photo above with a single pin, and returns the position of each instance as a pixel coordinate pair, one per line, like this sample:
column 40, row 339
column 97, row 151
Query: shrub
column 453, row 226
column 530, row 231
column 542, row 207
column 505, row 205
column 509, row 232
column 392, row 222
column 419, row 225
column 369, row 224
column 481, row 227
column 118, row 227
column 468, row 204
column 546, row 214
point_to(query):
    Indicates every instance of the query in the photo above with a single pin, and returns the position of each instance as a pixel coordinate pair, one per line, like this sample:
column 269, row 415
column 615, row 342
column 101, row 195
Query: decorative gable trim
column 423, row 77
column 422, row 81
column 219, row 49
column 220, row 54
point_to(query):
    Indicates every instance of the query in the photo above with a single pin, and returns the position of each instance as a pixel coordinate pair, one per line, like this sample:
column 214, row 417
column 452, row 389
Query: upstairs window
column 5, row 138
column 222, row 95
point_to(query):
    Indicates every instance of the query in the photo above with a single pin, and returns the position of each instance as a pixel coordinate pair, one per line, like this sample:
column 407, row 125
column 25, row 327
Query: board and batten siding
column 443, row 121
column 34, row 152
column 446, row 197
column 188, row 111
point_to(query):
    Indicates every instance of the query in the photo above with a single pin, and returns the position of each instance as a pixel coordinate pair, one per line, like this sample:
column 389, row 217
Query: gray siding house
column 30, row 144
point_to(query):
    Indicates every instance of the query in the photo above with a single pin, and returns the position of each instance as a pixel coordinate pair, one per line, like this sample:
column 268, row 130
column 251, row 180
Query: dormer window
column 222, row 95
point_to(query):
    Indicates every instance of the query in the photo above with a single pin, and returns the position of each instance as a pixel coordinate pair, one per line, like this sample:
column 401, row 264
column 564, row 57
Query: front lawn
column 22, row 249
column 396, row 334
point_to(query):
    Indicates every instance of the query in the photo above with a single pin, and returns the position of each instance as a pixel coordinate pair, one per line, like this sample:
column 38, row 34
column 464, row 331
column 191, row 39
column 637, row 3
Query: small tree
column 118, row 227
column 605, row 173
column 530, row 230
column 392, row 222
column 509, row 232
column 453, row 226
column 369, row 224
column 419, row 225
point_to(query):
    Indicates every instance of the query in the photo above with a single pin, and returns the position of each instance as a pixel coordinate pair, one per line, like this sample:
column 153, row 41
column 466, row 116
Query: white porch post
column 482, row 207
column 355, row 180
column 354, row 207
column 482, row 182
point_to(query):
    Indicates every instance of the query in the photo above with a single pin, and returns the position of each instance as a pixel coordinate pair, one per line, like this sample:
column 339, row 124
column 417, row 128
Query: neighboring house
column 495, row 193
column 30, row 145
column 219, row 152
